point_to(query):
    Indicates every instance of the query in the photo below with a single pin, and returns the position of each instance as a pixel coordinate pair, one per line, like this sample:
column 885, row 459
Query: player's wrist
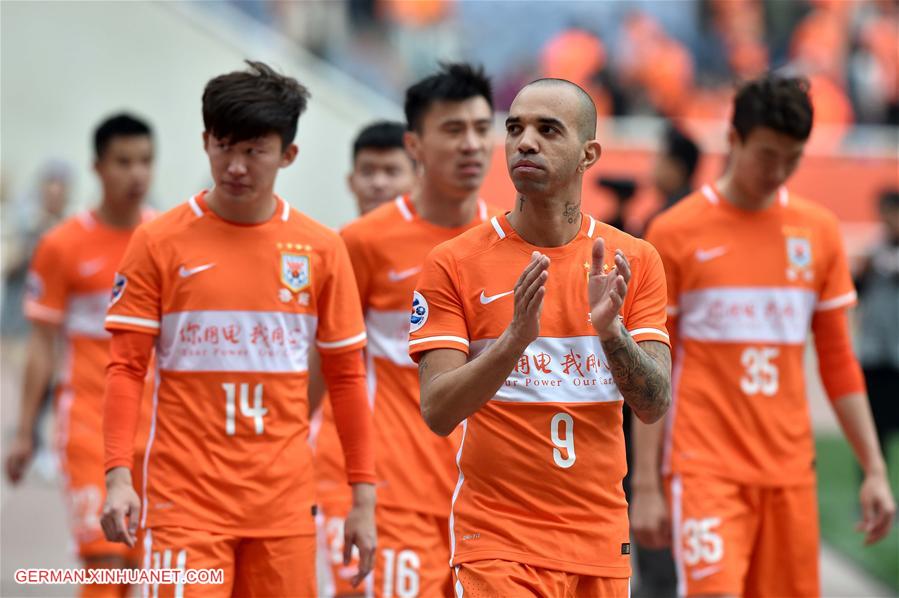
column 118, row 476
column 363, row 495
column 613, row 332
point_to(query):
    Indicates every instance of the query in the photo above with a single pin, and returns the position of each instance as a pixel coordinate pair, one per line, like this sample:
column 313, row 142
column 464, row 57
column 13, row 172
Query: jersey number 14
column 255, row 411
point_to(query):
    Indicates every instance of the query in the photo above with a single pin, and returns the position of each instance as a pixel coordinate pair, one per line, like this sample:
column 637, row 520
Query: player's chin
column 526, row 183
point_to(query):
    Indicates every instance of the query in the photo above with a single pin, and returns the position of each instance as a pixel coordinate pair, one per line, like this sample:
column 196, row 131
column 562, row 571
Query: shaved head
column 586, row 111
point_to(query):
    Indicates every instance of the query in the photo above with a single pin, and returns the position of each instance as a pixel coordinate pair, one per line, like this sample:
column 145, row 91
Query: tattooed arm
column 642, row 372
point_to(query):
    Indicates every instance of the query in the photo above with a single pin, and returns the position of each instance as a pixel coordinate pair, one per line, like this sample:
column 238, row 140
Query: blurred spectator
column 878, row 339
column 675, row 165
column 37, row 212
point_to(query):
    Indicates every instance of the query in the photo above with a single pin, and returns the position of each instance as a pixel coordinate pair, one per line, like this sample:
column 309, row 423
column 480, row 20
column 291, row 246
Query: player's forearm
column 643, row 379
column 130, row 354
column 451, row 396
column 854, row 415
column 317, row 387
column 344, row 375
column 647, row 450
column 38, row 375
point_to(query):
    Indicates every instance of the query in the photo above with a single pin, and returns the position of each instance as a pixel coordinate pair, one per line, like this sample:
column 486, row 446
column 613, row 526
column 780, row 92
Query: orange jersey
column 235, row 310
column 68, row 285
column 541, row 464
column 416, row 468
column 742, row 289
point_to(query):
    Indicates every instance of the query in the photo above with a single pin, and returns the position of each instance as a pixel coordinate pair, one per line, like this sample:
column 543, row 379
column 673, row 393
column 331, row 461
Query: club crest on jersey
column 799, row 257
column 118, row 288
column 295, row 271
column 419, row 312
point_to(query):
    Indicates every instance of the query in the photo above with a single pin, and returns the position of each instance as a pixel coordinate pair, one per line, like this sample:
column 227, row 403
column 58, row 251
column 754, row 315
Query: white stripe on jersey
column 85, row 314
column 235, row 341
column 343, row 342
column 452, row 339
column 146, row 323
column 557, row 370
column 388, row 336
column 497, row 228
column 637, row 331
column 841, row 301
column 747, row 314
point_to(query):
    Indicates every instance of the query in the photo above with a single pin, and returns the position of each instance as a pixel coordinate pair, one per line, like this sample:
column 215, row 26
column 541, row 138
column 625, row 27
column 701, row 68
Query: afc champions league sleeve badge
column 296, row 271
column 118, row 288
column 419, row 312
column 799, row 256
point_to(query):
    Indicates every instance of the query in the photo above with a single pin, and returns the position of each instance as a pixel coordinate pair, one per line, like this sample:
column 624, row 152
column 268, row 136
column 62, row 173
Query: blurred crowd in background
column 676, row 59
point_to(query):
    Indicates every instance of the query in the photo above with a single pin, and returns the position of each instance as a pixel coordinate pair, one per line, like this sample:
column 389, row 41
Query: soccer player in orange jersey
column 751, row 270
column 67, row 293
column 233, row 287
column 449, row 119
column 382, row 171
column 530, row 330
column 382, row 168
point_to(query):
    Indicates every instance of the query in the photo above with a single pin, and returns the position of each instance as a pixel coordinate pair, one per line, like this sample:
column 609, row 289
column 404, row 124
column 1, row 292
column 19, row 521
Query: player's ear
column 289, row 155
column 591, row 154
column 413, row 145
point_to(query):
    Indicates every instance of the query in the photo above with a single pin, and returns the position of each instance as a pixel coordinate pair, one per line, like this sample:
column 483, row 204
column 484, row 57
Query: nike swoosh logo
column 185, row 272
column 90, row 268
column 698, row 574
column 394, row 276
column 705, row 255
column 485, row 299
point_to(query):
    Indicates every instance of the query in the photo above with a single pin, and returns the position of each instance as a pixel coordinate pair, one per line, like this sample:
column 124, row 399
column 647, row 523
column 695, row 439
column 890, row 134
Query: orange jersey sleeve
column 46, row 286
column 340, row 325
column 438, row 316
column 135, row 303
column 840, row 371
column 130, row 354
column 645, row 318
column 345, row 376
column 837, row 289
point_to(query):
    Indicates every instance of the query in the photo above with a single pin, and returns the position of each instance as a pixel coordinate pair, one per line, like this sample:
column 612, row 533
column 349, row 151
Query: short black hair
column 118, row 125
column 776, row 102
column 454, row 82
column 381, row 135
column 682, row 149
column 243, row 105
column 586, row 122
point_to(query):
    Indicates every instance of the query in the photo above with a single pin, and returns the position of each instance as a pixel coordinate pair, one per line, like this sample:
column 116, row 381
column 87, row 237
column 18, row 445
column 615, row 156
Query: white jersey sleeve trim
column 592, row 228
column 403, row 208
column 195, row 207
column 639, row 331
column 452, row 339
column 342, row 343
column 482, row 210
column 285, row 209
column 841, row 301
column 113, row 319
column 710, row 194
column 497, row 228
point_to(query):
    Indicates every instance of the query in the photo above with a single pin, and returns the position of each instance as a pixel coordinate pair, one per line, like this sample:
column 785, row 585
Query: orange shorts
column 743, row 540
column 507, row 578
column 413, row 554
column 334, row 574
column 283, row 566
column 84, row 483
